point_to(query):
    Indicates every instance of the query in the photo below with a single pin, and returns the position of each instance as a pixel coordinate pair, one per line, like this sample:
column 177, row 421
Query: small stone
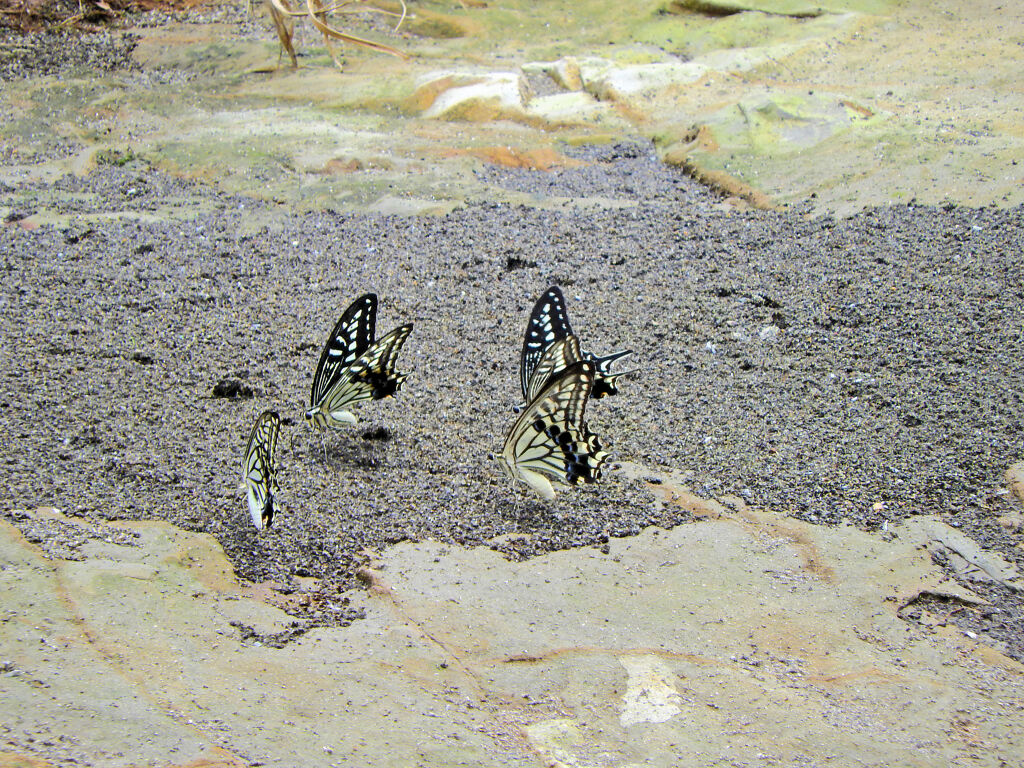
column 231, row 388
column 1015, row 480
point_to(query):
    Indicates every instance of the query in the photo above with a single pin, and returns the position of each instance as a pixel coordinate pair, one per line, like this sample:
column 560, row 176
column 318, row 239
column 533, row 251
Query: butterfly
column 259, row 471
column 549, row 439
column 548, row 323
column 353, row 367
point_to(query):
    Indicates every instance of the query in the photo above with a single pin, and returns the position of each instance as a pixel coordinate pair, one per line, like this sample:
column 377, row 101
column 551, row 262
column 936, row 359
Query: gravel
column 61, row 52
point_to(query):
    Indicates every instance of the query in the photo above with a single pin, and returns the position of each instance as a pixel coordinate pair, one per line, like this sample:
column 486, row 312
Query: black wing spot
column 268, row 511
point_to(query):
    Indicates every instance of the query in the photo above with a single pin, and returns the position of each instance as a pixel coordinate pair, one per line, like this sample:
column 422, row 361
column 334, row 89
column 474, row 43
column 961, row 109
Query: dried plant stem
column 280, row 12
column 283, row 15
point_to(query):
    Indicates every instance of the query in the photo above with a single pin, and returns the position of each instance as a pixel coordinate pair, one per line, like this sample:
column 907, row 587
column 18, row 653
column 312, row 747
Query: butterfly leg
column 323, row 438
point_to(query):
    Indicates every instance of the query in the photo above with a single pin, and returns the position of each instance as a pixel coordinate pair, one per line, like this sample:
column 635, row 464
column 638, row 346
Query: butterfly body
column 259, row 470
column 322, row 420
column 550, row 440
column 353, row 367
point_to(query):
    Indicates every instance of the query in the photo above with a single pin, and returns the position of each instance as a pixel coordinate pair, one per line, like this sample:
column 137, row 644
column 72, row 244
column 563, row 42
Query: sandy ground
column 859, row 370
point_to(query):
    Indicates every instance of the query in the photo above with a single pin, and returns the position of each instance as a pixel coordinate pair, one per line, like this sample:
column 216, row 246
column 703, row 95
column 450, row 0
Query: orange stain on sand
column 543, row 159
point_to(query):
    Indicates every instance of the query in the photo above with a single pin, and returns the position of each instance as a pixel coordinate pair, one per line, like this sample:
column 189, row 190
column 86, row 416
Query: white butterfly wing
column 553, row 361
column 372, row 376
column 549, row 322
column 256, row 504
column 538, row 482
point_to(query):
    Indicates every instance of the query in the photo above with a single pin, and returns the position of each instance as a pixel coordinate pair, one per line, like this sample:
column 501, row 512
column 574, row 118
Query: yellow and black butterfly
column 353, row 367
column 549, row 322
column 549, row 440
column 259, row 471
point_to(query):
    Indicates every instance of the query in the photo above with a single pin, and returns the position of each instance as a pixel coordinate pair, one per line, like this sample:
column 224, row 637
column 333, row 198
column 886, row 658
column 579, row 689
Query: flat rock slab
column 743, row 639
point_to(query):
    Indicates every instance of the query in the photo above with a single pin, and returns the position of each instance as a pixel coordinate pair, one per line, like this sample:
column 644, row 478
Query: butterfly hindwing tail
column 606, row 382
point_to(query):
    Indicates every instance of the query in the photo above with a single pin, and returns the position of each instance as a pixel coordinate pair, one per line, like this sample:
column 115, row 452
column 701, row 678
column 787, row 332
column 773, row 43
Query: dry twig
column 283, row 15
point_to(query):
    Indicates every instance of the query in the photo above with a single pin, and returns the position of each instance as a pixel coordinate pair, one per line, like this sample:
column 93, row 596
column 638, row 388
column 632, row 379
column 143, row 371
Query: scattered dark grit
column 864, row 369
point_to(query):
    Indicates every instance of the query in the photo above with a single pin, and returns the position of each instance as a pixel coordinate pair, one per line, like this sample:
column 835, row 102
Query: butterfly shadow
column 528, row 515
column 361, row 447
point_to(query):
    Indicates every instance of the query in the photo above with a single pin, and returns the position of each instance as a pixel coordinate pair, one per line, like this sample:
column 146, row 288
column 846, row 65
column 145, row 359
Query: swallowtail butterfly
column 370, row 376
column 259, row 471
column 549, row 439
column 548, row 323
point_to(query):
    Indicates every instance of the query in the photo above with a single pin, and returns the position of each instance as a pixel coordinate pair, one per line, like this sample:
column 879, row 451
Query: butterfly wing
column 259, row 471
column 548, row 323
column 372, row 376
column 352, row 335
column 550, row 439
column 552, row 363
column 606, row 382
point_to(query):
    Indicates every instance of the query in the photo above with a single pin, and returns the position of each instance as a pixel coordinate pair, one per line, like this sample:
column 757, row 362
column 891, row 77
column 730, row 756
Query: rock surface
column 744, row 639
